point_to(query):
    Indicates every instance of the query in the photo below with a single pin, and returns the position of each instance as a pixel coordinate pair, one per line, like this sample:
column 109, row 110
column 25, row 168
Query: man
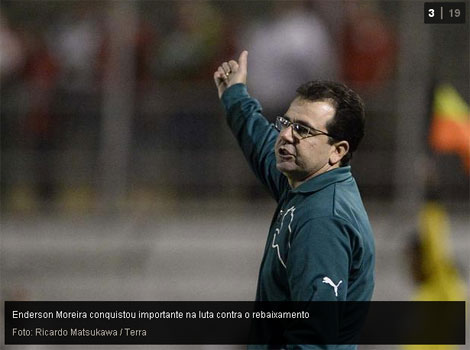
column 320, row 245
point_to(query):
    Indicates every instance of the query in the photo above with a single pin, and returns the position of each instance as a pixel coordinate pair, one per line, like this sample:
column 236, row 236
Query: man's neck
column 294, row 183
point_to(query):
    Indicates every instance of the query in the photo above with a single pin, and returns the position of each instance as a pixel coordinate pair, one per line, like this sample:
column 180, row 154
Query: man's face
column 301, row 159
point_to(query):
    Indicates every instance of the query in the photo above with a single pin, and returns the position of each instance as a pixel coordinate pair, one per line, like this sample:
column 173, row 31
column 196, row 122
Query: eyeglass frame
column 311, row 131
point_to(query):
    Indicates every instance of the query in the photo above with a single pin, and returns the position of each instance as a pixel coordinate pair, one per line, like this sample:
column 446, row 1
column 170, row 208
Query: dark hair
column 349, row 119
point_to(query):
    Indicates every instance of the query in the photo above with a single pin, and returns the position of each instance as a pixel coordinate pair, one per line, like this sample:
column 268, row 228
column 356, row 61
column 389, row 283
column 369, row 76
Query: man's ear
column 340, row 149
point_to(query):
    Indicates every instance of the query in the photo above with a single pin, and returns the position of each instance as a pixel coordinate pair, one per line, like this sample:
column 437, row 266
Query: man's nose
column 287, row 134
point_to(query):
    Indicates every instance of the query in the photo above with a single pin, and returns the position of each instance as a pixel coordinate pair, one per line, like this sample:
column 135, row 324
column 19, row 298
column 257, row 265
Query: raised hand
column 231, row 72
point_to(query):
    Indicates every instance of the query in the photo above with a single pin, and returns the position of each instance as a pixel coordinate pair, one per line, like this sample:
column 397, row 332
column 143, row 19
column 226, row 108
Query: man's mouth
column 285, row 153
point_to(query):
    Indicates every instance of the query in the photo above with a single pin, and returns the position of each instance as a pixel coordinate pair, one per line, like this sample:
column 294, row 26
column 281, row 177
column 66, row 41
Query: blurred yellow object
column 21, row 199
column 441, row 281
column 450, row 127
column 77, row 200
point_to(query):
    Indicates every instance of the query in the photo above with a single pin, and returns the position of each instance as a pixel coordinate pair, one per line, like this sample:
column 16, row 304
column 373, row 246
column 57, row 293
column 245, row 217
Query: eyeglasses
column 300, row 131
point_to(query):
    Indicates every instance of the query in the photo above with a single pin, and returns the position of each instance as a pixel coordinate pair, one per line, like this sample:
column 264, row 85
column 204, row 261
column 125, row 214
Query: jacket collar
column 330, row 177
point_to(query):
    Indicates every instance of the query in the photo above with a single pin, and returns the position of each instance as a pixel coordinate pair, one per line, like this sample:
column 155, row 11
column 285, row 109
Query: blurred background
column 121, row 181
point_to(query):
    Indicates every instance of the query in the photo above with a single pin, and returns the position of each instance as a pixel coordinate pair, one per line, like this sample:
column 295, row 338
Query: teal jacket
column 320, row 245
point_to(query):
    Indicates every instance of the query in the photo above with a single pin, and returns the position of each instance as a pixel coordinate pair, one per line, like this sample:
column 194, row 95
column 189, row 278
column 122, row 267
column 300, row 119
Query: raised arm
column 255, row 135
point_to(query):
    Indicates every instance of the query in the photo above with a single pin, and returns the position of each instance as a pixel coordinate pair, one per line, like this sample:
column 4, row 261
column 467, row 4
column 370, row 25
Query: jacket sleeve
column 255, row 136
column 318, row 265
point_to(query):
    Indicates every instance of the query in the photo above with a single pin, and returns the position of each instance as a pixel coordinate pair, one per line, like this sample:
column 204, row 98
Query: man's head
column 334, row 115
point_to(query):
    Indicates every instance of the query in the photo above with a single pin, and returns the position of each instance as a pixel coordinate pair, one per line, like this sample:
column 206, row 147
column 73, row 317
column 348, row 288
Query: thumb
column 243, row 62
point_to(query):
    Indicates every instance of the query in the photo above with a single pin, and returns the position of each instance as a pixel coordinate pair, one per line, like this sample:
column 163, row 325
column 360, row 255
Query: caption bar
column 234, row 323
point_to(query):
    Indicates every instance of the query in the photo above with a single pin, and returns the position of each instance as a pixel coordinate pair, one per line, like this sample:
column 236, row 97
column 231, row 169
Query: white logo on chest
column 327, row 280
column 278, row 230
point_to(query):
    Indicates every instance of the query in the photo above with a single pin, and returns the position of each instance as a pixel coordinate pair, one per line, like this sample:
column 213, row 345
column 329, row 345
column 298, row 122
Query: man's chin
column 286, row 167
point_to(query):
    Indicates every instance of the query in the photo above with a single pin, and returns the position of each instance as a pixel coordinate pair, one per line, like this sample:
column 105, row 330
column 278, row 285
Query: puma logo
column 327, row 280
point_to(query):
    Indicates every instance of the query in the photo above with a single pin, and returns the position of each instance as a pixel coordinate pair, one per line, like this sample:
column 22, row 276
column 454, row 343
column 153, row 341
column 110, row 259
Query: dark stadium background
column 121, row 181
